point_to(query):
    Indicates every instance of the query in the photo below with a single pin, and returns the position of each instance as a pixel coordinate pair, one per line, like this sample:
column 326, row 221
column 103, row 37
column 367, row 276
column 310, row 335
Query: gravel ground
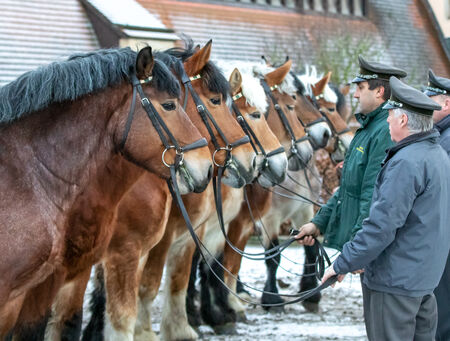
column 340, row 316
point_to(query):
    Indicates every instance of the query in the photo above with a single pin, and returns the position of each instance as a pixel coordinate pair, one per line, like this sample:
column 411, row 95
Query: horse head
column 157, row 133
column 249, row 105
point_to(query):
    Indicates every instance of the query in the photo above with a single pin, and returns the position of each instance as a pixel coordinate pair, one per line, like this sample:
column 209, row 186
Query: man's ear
column 404, row 120
column 380, row 91
column 446, row 105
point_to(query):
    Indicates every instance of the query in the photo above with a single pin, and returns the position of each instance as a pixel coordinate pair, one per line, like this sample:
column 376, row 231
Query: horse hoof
column 275, row 310
column 194, row 320
column 226, row 329
column 146, row 335
column 241, row 317
column 311, row 307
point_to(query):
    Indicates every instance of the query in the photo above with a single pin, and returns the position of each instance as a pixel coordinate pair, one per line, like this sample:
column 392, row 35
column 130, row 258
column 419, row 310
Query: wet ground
column 340, row 316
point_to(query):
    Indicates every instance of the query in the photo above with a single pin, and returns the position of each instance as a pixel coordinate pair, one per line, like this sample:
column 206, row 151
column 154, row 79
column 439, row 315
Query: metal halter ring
column 179, row 152
column 228, row 149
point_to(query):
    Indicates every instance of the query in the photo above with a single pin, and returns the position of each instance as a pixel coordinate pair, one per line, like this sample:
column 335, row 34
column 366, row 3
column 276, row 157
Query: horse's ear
column 235, row 82
column 263, row 57
column 319, row 87
column 344, row 89
column 144, row 63
column 277, row 76
column 195, row 63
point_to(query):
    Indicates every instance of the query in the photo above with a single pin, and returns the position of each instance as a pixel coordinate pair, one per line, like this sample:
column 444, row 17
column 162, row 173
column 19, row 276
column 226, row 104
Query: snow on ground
column 340, row 316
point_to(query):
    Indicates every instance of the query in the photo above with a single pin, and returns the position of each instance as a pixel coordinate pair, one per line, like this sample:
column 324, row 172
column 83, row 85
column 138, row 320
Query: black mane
column 79, row 75
column 211, row 75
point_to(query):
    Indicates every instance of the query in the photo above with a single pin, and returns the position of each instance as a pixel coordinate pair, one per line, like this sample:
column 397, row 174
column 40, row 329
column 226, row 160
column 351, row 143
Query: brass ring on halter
column 178, row 152
column 228, row 149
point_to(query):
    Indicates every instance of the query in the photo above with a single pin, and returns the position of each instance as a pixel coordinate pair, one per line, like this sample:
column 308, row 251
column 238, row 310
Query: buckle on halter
column 227, row 160
column 145, row 99
column 200, row 107
column 179, row 153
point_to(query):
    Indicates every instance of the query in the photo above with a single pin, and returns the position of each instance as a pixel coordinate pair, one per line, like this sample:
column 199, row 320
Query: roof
column 36, row 32
column 132, row 19
column 404, row 29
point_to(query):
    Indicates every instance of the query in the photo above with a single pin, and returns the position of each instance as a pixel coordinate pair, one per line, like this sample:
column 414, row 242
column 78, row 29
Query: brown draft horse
column 216, row 311
column 241, row 228
column 53, row 191
column 174, row 325
column 141, row 218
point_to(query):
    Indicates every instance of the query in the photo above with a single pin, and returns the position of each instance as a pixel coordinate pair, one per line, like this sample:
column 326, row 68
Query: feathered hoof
column 241, row 317
column 226, row 329
column 146, row 335
column 312, row 307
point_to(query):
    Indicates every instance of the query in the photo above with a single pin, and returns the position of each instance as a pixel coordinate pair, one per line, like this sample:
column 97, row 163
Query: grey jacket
column 443, row 126
column 404, row 243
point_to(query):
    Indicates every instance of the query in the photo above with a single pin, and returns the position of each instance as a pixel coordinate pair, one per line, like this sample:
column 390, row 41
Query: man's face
column 395, row 126
column 444, row 102
column 368, row 99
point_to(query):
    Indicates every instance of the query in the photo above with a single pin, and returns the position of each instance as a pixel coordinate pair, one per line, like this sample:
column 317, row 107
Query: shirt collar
column 364, row 119
column 443, row 124
column 432, row 135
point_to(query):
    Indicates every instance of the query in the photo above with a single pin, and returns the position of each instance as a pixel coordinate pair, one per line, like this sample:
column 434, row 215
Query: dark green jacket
column 341, row 217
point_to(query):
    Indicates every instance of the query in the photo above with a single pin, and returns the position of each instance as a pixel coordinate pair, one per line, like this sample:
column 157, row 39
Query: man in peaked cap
column 404, row 243
column 342, row 216
column 438, row 90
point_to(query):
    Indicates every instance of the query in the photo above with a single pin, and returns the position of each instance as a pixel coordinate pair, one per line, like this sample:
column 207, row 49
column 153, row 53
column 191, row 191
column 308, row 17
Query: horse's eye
column 294, row 97
column 256, row 115
column 331, row 109
column 215, row 100
column 290, row 107
column 169, row 106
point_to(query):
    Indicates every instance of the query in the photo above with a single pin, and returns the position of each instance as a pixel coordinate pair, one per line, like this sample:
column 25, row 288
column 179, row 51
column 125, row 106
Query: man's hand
column 308, row 231
column 360, row 271
column 330, row 273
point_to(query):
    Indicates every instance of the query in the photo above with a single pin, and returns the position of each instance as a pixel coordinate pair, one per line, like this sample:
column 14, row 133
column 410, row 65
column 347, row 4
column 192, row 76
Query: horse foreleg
column 192, row 298
column 67, row 310
column 9, row 314
column 150, row 283
column 271, row 281
column 174, row 324
column 239, row 233
column 123, row 269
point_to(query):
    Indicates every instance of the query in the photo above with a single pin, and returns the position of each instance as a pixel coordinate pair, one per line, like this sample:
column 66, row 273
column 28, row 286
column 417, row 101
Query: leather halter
column 207, row 117
column 159, row 125
column 294, row 140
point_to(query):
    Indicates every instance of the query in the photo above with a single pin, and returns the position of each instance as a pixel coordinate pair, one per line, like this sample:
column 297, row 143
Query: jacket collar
column 364, row 119
column 432, row 136
column 443, row 124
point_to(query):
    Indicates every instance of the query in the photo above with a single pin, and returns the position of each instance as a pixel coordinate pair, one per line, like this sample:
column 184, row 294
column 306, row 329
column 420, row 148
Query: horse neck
column 68, row 147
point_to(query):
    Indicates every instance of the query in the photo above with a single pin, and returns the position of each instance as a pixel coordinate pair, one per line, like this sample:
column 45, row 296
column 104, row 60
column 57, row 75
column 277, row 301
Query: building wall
column 441, row 10
column 36, row 32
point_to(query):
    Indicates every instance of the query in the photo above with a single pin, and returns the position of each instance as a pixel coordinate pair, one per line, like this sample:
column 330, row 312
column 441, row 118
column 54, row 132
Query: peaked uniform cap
column 437, row 85
column 373, row 70
column 405, row 97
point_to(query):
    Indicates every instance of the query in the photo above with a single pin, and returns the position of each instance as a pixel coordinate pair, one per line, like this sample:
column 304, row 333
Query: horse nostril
column 326, row 134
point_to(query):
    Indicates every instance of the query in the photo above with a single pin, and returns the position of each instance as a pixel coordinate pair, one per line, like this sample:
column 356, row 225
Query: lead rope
column 173, row 187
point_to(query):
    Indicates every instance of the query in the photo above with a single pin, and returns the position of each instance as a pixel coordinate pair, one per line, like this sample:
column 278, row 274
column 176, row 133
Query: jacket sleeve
column 323, row 215
column 377, row 153
column 393, row 201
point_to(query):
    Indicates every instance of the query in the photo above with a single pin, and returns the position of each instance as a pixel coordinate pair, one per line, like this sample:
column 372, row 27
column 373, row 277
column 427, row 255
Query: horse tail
column 97, row 306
